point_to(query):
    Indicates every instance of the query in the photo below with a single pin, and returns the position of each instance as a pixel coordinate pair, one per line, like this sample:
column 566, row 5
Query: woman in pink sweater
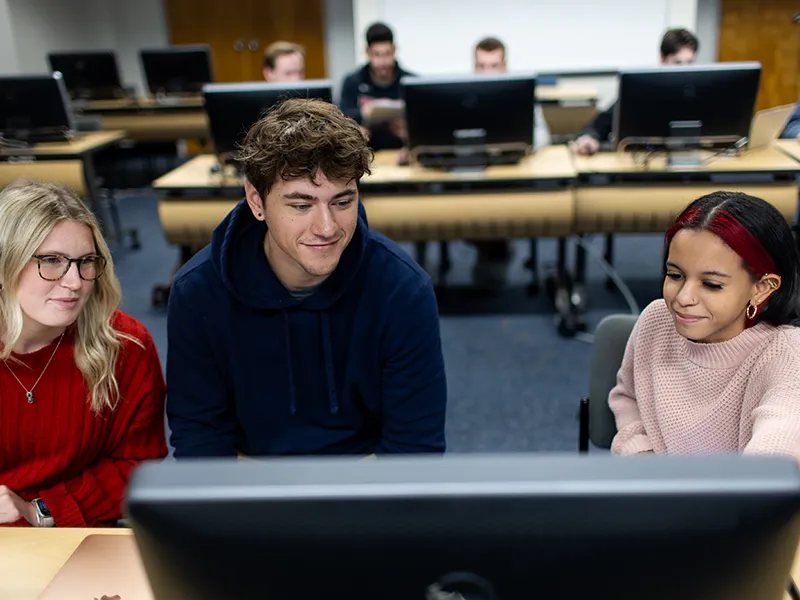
column 714, row 366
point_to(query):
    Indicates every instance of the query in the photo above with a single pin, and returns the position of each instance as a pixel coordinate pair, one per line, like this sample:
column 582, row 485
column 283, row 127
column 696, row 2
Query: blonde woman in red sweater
column 81, row 386
column 714, row 367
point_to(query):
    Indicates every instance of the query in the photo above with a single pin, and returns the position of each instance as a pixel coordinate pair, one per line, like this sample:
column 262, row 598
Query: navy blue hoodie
column 355, row 368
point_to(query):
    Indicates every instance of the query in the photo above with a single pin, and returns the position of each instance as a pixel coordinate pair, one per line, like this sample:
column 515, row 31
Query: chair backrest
column 610, row 340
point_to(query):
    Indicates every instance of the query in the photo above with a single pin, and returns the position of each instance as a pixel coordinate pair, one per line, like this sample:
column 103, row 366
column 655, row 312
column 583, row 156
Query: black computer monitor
column 502, row 527
column 472, row 120
column 685, row 105
column 233, row 108
column 177, row 70
column 88, row 75
column 34, row 108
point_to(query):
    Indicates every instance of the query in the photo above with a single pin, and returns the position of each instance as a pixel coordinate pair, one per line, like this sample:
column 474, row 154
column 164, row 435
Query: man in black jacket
column 379, row 78
column 678, row 47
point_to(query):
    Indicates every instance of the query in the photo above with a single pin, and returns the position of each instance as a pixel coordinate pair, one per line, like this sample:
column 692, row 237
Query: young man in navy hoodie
column 299, row 330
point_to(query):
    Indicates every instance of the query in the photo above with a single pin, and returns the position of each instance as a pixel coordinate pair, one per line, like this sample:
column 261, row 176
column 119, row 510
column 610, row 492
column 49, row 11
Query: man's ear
column 254, row 200
column 764, row 288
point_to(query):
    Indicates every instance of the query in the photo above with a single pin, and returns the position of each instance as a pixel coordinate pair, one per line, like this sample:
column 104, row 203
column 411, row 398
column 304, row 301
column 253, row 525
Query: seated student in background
column 379, row 78
column 81, row 387
column 284, row 62
column 713, row 367
column 299, row 330
column 490, row 58
column 491, row 265
column 792, row 128
column 678, row 47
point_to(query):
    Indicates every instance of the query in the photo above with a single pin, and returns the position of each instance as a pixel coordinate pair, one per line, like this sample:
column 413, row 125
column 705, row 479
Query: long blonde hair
column 29, row 210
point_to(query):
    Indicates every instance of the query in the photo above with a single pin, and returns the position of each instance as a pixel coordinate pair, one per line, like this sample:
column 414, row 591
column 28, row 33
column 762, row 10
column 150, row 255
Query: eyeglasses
column 53, row 267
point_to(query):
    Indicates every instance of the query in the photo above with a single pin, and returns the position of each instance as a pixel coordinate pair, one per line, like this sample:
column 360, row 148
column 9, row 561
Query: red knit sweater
column 78, row 461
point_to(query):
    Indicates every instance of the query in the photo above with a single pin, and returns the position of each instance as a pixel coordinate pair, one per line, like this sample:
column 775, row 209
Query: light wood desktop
column 526, row 200
column 70, row 164
column 30, row 558
column 616, row 194
column 147, row 119
column 790, row 147
column 530, row 199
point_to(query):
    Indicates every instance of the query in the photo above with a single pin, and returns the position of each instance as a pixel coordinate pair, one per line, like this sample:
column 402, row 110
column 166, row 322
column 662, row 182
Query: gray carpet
column 514, row 384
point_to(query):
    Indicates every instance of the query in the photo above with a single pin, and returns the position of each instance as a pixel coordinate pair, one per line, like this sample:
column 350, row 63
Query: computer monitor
column 233, row 108
column 685, row 106
column 475, row 120
column 177, row 70
column 489, row 527
column 34, row 108
column 88, row 75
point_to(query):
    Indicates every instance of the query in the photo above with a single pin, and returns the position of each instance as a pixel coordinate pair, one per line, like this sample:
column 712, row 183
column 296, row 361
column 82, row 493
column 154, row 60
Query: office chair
column 596, row 419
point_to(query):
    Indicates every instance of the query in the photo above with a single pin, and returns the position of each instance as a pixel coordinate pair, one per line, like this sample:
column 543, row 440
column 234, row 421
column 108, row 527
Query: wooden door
column 299, row 21
column 766, row 31
column 238, row 31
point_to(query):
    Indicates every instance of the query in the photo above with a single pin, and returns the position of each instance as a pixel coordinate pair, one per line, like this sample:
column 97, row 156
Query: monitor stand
column 685, row 160
column 683, row 145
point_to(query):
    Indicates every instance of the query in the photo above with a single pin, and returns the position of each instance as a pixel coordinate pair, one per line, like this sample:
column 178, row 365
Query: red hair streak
column 726, row 227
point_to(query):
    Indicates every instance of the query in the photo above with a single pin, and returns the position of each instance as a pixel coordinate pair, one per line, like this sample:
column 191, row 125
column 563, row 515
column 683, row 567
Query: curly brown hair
column 300, row 137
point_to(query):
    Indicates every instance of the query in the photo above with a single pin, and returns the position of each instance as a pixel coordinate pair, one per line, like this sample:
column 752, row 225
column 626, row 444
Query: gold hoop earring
column 747, row 311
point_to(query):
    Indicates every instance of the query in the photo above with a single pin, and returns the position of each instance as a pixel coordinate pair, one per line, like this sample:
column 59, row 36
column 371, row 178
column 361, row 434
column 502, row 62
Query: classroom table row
column 566, row 108
column 30, row 558
column 552, row 194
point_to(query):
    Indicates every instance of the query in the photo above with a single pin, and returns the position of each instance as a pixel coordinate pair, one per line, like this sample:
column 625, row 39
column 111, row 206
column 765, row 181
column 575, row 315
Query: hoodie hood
column 237, row 255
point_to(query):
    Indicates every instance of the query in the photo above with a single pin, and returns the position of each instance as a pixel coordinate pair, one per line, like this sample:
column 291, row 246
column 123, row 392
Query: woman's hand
column 13, row 508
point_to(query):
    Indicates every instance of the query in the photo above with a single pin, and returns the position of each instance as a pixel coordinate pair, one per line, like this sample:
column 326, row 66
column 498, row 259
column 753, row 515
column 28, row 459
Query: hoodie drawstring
column 288, row 334
column 327, row 349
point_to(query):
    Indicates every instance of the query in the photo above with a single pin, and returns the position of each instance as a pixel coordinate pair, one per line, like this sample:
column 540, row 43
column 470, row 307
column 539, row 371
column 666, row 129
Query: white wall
column 137, row 24
column 708, row 22
column 29, row 29
column 8, row 51
column 437, row 37
column 339, row 40
column 42, row 26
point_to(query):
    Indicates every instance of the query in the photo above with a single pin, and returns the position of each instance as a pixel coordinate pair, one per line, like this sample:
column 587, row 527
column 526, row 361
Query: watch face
column 42, row 508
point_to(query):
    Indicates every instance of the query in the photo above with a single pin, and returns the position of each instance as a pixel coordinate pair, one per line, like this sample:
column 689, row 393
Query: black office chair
column 596, row 419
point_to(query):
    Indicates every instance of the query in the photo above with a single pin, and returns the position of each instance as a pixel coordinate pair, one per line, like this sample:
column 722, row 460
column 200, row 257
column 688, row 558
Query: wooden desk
column 30, row 558
column 790, row 147
column 530, row 199
column 146, row 119
column 67, row 163
column 616, row 194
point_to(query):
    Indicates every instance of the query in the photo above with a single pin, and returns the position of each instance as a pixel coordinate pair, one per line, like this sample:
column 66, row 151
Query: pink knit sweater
column 675, row 396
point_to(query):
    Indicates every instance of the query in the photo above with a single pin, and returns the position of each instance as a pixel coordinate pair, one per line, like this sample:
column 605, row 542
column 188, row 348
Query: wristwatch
column 43, row 516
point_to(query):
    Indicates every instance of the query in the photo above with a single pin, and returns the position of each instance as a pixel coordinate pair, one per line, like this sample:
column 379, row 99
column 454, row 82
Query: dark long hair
column 760, row 235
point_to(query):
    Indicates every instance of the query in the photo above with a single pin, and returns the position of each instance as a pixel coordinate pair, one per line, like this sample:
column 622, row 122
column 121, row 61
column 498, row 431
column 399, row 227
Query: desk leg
column 579, row 298
column 609, row 256
column 559, row 289
column 421, row 251
column 533, row 266
column 160, row 294
column 95, row 200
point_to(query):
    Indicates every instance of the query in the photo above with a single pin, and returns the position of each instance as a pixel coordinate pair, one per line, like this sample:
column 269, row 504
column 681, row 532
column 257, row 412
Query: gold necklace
column 29, row 392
